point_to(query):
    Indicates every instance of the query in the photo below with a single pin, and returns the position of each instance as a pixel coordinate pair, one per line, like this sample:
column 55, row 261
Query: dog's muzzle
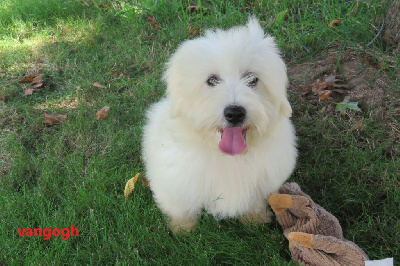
column 233, row 137
column 235, row 115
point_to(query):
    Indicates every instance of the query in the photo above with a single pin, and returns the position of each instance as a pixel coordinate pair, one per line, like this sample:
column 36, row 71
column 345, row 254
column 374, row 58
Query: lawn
column 74, row 173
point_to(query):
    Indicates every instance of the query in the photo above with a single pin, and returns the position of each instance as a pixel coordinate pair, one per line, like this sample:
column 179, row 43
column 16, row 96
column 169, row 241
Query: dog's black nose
column 235, row 114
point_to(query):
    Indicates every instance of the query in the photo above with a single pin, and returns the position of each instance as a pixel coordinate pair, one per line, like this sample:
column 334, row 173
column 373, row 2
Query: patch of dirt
column 368, row 86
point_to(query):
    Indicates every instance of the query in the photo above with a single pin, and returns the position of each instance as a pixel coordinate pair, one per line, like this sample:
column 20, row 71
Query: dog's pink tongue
column 232, row 141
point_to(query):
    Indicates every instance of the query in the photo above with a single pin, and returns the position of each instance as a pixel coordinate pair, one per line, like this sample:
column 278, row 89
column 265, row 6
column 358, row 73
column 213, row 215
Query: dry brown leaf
column 115, row 73
column 36, row 82
column 356, row 126
column 331, row 82
column 193, row 32
column 98, row 85
column 30, row 91
column 324, row 95
column 103, row 113
column 368, row 62
column 52, row 119
column 334, row 23
column 54, row 39
column 327, row 83
column 37, row 79
column 27, row 79
column 130, row 185
column 324, row 87
column 38, row 85
column 153, row 23
column 318, row 85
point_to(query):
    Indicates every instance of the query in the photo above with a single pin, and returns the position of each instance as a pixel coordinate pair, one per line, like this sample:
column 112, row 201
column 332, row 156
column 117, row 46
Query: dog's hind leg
column 181, row 221
column 182, row 227
column 258, row 215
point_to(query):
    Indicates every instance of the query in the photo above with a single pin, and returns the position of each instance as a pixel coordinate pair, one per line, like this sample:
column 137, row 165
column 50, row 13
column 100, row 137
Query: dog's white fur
column 186, row 170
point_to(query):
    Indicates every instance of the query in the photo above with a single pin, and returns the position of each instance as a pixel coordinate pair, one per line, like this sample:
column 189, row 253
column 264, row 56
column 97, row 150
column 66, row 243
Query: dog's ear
column 277, row 90
column 275, row 80
column 176, row 106
column 271, row 65
column 175, row 97
column 285, row 108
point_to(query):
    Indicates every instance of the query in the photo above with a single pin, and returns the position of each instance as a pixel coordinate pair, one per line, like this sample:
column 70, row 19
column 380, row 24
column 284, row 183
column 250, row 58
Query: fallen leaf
column 331, row 82
column 196, row 9
column 334, row 23
column 356, row 126
column 346, row 104
column 145, row 182
column 36, row 86
column 52, row 119
column 37, row 79
column 2, row 75
column 153, row 23
column 324, row 95
column 193, row 32
column 130, row 185
column 103, row 113
column 27, row 79
column 30, row 91
column 324, row 87
column 318, row 85
column 115, row 73
column 54, row 39
column 368, row 62
column 98, row 85
column 3, row 98
column 154, row 94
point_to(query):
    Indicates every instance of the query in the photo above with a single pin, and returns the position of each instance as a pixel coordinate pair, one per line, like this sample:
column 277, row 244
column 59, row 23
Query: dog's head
column 229, row 83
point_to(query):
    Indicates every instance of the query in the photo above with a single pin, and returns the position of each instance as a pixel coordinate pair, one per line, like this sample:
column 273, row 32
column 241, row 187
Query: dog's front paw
column 256, row 217
column 183, row 227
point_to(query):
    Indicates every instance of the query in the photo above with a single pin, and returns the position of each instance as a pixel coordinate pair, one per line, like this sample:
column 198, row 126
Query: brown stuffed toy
column 315, row 236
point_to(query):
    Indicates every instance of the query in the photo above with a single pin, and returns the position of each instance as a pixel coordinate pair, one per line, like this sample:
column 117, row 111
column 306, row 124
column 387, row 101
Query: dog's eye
column 252, row 81
column 213, row 80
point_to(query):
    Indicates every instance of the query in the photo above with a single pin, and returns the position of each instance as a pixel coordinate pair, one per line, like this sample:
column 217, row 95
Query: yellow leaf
column 130, row 185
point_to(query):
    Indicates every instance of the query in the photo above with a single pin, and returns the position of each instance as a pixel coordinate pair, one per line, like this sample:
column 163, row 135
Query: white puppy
column 221, row 139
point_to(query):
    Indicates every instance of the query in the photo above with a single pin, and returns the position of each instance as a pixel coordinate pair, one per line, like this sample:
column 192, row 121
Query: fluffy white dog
column 221, row 139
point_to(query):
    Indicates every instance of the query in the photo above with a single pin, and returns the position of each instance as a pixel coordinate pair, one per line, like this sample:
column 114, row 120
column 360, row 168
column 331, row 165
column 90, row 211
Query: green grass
column 74, row 173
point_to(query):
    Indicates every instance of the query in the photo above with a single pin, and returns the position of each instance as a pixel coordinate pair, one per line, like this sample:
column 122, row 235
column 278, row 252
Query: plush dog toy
column 315, row 236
